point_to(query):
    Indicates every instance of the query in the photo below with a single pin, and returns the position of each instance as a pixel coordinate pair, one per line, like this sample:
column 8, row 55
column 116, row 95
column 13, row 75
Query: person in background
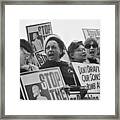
column 77, row 52
column 54, row 49
column 26, row 53
column 91, row 46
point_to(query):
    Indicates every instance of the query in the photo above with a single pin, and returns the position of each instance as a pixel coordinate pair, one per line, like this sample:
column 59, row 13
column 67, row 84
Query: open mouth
column 51, row 55
column 92, row 52
column 84, row 54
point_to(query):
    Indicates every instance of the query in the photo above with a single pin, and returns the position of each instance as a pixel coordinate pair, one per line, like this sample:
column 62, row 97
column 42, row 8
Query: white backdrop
column 67, row 29
column 103, row 13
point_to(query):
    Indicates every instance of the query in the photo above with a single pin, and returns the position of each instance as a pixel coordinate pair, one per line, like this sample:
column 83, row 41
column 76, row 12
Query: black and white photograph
column 73, row 46
column 60, row 60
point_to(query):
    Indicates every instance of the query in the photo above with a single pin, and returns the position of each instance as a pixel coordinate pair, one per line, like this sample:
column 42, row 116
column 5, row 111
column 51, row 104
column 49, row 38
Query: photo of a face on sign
column 63, row 63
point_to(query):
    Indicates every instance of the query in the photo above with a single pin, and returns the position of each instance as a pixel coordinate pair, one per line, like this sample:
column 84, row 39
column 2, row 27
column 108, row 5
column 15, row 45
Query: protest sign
column 37, row 34
column 94, row 33
column 45, row 29
column 41, row 57
column 74, row 96
column 44, row 84
column 89, row 76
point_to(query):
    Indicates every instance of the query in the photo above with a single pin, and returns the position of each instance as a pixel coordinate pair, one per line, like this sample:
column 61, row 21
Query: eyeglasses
column 88, row 46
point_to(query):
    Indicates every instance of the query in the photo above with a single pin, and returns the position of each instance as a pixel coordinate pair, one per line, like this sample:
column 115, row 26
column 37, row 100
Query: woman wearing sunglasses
column 91, row 46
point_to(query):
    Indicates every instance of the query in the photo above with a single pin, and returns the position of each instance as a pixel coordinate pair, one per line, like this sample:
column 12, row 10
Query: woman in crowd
column 77, row 52
column 26, row 53
column 91, row 46
column 54, row 49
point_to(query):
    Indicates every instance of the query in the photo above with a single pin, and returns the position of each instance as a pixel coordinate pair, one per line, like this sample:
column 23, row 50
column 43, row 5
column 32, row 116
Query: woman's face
column 53, row 51
column 79, row 53
column 91, row 49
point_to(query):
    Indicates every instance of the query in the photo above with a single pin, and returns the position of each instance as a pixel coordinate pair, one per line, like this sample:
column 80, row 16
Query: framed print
column 60, row 59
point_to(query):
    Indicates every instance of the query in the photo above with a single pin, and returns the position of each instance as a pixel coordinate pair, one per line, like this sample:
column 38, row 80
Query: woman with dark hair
column 77, row 52
column 91, row 46
column 54, row 49
column 26, row 53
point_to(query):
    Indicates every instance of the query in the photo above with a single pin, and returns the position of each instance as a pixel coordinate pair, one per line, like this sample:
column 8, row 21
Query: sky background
column 67, row 30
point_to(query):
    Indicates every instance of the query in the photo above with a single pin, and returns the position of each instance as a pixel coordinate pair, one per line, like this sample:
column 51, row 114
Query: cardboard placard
column 89, row 76
column 44, row 84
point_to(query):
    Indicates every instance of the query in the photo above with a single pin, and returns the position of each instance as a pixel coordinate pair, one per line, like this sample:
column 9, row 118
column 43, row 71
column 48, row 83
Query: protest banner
column 94, row 33
column 89, row 76
column 45, row 29
column 44, row 84
column 37, row 34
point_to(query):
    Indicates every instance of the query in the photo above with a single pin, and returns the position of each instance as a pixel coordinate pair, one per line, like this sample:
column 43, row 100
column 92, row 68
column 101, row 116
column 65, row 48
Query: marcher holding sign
column 54, row 49
column 25, row 57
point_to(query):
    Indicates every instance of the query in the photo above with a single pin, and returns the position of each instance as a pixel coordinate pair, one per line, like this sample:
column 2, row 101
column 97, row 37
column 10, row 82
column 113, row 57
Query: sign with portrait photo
column 45, row 84
column 37, row 34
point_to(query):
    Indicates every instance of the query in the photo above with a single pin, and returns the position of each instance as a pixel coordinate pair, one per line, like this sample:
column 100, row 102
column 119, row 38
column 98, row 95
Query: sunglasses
column 88, row 46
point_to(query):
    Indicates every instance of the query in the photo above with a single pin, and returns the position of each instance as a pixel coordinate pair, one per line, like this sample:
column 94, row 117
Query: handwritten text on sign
column 89, row 75
column 53, row 81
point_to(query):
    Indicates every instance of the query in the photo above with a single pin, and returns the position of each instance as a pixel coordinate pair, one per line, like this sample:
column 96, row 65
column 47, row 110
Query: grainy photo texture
column 60, row 60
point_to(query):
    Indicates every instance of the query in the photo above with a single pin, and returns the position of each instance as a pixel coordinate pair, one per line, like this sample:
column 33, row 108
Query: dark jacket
column 69, row 76
column 91, row 60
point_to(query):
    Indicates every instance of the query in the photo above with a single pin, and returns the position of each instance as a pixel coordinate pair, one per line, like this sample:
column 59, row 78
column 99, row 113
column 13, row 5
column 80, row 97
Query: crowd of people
column 54, row 47
column 84, row 53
